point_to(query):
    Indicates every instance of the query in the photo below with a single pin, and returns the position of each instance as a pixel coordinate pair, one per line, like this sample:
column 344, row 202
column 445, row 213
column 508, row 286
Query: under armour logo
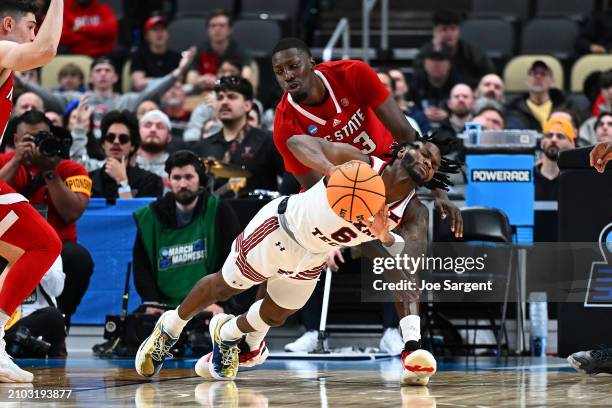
column 336, row 122
column 279, row 245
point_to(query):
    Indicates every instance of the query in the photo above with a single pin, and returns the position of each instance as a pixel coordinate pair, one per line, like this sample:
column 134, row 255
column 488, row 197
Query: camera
column 52, row 145
column 21, row 344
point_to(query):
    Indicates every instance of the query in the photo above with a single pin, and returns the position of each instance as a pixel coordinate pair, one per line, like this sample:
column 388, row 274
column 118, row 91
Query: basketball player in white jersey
column 286, row 244
column 27, row 241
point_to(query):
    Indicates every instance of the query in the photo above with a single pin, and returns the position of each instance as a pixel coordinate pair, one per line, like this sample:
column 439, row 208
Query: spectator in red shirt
column 90, row 28
column 59, row 189
column 219, row 47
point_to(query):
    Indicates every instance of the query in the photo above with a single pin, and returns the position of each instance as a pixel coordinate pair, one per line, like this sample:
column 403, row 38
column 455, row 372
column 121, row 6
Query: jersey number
column 344, row 235
column 364, row 140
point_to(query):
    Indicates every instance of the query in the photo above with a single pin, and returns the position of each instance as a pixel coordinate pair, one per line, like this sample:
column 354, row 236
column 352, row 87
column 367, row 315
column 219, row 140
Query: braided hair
column 440, row 179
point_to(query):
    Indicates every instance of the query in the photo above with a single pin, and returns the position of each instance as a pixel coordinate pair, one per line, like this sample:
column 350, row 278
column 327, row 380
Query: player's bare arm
column 395, row 121
column 600, row 156
column 321, row 155
column 33, row 54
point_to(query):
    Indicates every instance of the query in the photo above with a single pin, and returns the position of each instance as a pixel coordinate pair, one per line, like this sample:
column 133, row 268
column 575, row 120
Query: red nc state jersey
column 6, row 103
column 347, row 116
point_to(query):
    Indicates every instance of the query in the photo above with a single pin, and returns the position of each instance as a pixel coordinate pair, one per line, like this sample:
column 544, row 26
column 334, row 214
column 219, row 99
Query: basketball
column 355, row 191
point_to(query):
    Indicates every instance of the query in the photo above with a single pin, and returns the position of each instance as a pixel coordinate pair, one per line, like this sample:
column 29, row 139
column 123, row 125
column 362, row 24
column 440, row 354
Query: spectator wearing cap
column 102, row 98
column 153, row 59
column 558, row 135
column 90, row 28
column 468, row 61
column 588, row 133
column 117, row 178
column 220, row 46
column 532, row 109
column 237, row 142
column 431, row 87
column 71, row 78
column 155, row 137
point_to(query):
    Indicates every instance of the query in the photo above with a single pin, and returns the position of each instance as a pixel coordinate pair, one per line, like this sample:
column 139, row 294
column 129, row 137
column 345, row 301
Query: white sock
column 255, row 338
column 230, row 331
column 173, row 324
column 411, row 328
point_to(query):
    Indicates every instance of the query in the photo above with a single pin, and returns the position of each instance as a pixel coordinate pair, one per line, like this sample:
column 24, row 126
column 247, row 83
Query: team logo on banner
column 599, row 289
column 312, row 129
column 501, row 176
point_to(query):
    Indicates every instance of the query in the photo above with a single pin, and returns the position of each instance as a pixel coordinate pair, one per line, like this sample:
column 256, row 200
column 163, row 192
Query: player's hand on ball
column 379, row 225
column 331, row 259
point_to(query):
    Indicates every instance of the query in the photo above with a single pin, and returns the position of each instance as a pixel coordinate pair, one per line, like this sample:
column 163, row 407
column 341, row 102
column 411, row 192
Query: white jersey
column 318, row 228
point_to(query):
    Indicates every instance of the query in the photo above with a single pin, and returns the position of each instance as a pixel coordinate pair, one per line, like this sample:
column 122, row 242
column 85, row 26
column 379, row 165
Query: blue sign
column 503, row 181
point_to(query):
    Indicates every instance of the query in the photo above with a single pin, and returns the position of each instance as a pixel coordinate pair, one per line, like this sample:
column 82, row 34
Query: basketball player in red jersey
column 27, row 241
column 339, row 101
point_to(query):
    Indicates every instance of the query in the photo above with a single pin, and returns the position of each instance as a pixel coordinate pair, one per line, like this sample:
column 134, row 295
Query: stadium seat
column 48, row 75
column 258, row 37
column 555, row 36
column 493, row 36
column 199, row 8
column 587, row 65
column 511, row 10
column 269, row 9
column 574, row 9
column 515, row 71
column 185, row 32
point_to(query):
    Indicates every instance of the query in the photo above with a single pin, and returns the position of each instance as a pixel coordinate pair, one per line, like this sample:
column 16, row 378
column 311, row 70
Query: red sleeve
column 21, row 179
column 366, row 83
column 283, row 130
column 106, row 28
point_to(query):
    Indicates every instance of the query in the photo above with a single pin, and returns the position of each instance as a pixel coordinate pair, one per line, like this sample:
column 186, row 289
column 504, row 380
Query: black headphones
column 186, row 157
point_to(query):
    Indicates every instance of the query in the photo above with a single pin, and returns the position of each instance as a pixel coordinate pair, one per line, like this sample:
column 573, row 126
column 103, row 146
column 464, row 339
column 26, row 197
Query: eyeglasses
column 552, row 135
column 124, row 138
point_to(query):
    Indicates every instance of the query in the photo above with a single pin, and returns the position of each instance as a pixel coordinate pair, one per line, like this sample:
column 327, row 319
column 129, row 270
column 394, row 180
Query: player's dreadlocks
column 448, row 166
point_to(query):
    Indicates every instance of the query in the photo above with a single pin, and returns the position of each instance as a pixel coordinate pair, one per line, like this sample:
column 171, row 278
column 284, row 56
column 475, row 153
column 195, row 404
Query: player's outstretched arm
column 26, row 56
column 601, row 155
column 395, row 121
column 321, row 155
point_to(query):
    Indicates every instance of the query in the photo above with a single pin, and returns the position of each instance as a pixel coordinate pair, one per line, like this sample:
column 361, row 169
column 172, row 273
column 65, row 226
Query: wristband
column 124, row 187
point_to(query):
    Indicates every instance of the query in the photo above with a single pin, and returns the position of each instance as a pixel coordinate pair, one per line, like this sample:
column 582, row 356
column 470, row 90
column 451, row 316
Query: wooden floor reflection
column 308, row 384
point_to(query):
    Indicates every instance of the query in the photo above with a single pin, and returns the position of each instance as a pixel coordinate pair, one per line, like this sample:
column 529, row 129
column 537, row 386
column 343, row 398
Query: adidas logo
column 336, row 122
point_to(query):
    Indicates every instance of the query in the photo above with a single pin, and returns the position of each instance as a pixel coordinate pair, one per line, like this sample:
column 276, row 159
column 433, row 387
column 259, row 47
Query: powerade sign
column 503, row 181
column 501, row 176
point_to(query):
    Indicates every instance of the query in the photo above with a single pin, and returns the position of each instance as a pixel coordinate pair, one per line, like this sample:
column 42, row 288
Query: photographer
column 58, row 188
column 40, row 317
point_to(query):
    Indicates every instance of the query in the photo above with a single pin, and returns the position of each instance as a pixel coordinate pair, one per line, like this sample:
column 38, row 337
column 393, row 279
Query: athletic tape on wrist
column 254, row 318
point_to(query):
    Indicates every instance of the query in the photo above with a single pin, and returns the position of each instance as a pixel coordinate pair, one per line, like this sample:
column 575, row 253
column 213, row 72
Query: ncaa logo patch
column 312, row 129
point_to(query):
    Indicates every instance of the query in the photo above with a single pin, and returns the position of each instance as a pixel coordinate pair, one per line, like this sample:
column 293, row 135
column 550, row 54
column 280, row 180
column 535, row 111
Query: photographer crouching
column 37, row 327
column 58, row 188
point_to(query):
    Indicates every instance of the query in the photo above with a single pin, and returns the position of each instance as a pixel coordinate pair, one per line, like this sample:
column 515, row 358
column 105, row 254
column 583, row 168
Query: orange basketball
column 355, row 191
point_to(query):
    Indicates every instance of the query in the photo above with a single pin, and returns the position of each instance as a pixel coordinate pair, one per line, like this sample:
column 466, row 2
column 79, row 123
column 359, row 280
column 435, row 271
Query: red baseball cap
column 153, row 21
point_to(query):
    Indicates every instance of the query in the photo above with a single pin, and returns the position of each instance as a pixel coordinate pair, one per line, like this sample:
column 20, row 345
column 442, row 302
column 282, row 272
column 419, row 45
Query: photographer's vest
column 179, row 256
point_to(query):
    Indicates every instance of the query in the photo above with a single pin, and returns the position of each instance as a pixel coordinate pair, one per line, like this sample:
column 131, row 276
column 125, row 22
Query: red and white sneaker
column 417, row 365
column 247, row 358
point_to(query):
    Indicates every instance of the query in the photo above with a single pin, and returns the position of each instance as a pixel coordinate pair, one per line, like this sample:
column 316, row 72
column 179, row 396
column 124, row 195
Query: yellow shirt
column 541, row 112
